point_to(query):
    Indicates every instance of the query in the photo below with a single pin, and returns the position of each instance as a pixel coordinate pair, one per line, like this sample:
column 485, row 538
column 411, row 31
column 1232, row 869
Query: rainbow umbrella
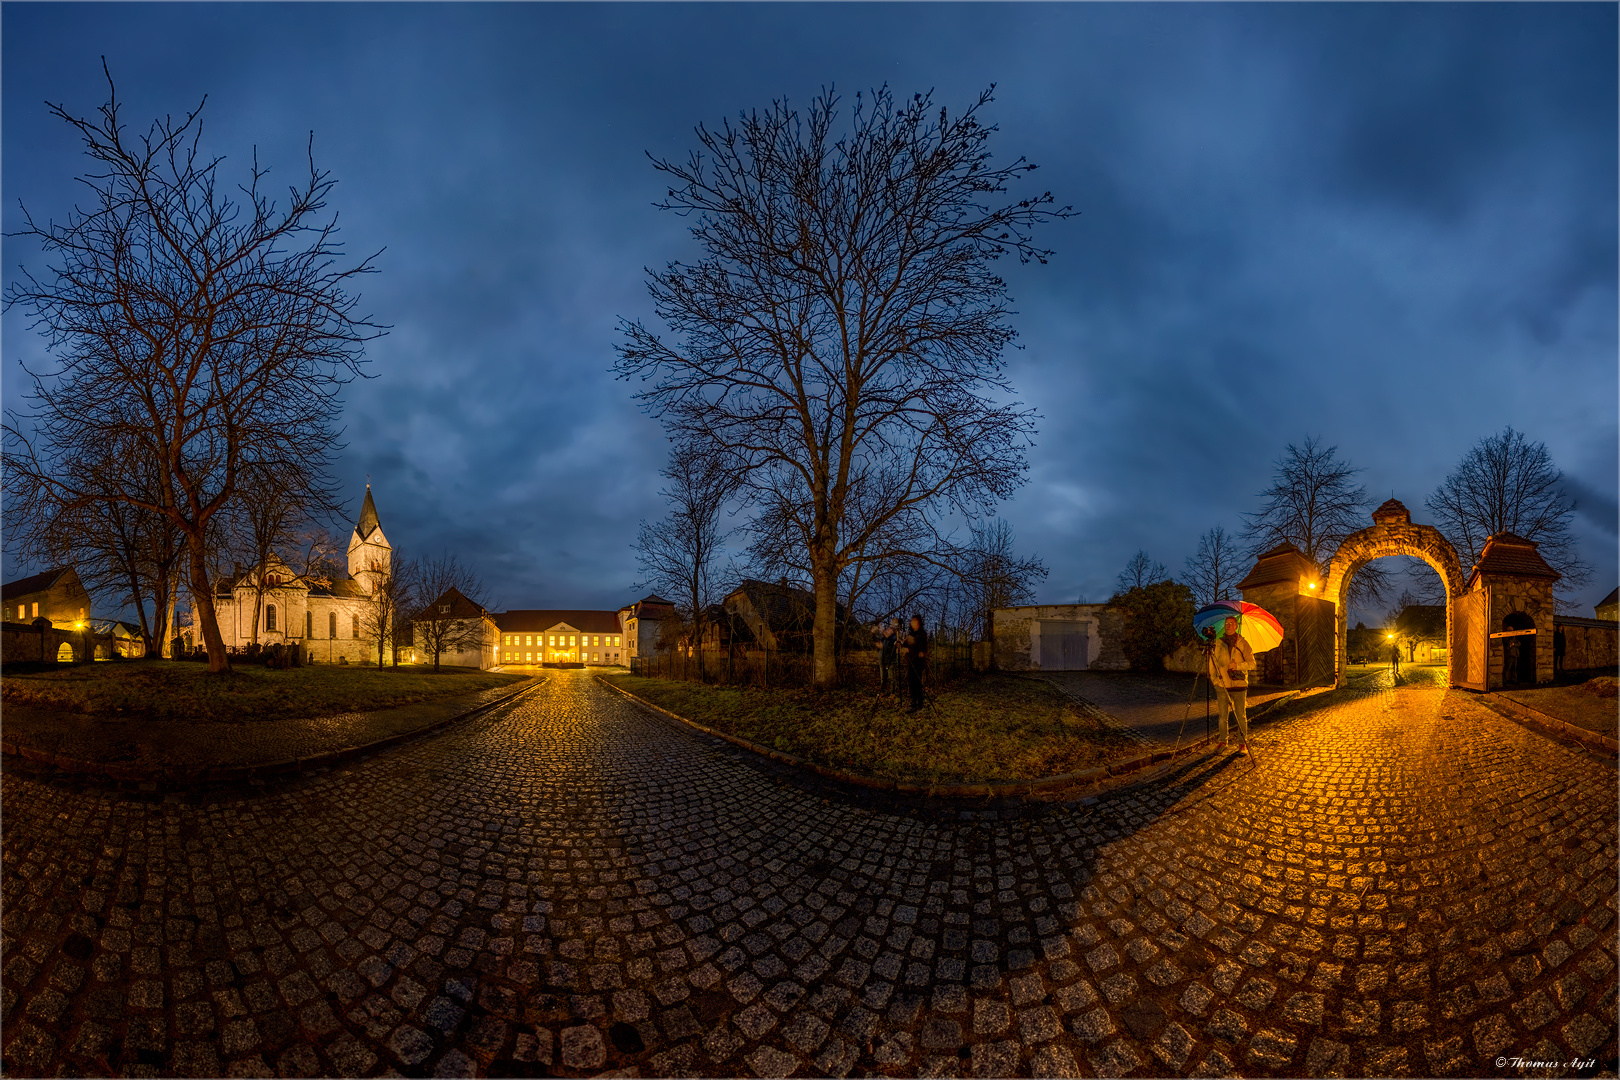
column 1256, row 625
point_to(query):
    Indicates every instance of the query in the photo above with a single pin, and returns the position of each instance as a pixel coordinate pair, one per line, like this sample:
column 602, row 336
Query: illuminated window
column 269, row 616
column 331, row 624
column 571, row 638
column 528, row 656
column 36, row 609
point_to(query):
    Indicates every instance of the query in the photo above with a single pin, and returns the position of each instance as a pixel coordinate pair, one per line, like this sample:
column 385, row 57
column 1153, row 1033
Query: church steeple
column 370, row 553
column 368, row 517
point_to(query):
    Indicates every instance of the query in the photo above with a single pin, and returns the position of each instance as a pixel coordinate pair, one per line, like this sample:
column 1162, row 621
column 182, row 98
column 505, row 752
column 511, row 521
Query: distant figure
column 888, row 653
column 914, row 652
column 1395, row 658
column 1230, row 662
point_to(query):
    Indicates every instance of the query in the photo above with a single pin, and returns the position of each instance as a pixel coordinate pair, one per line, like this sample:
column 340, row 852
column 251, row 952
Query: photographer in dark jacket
column 914, row 655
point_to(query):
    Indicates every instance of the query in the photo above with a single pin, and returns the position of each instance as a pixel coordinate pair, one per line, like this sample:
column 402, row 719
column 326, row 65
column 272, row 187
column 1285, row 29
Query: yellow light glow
column 1312, row 585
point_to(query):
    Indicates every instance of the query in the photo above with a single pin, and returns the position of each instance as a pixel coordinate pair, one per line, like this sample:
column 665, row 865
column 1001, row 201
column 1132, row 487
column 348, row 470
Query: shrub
column 1158, row 619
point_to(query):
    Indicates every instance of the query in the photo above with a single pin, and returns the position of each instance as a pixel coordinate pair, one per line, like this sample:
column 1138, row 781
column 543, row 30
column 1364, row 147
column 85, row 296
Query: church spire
column 368, row 517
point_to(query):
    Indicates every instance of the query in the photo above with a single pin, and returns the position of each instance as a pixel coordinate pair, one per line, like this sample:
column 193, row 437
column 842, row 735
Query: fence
column 857, row 668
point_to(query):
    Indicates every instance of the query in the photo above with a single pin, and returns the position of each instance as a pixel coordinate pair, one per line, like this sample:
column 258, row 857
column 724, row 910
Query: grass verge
column 1590, row 705
column 176, row 690
column 995, row 727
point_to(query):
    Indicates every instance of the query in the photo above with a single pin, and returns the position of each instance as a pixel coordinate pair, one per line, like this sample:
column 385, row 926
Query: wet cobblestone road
column 1401, row 883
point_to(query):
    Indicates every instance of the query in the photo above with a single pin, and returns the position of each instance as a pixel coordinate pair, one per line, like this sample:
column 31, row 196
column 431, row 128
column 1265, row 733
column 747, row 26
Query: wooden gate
column 1315, row 632
column 1468, row 641
column 1064, row 646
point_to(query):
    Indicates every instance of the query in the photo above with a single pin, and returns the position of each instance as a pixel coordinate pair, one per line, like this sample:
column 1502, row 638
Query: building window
column 309, row 624
column 331, row 624
column 36, row 609
column 269, row 616
column 355, row 622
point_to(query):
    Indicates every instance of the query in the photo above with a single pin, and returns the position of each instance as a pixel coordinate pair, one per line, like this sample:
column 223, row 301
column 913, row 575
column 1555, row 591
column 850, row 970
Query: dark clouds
column 1393, row 226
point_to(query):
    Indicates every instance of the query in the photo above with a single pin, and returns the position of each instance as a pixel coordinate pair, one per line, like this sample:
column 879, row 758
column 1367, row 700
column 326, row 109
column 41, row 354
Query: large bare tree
column 1215, row 568
column 1507, row 483
column 210, row 332
column 841, row 337
column 1313, row 503
column 453, row 599
column 681, row 555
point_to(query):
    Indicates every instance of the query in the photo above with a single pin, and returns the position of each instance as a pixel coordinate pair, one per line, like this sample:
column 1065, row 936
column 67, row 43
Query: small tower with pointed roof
column 370, row 554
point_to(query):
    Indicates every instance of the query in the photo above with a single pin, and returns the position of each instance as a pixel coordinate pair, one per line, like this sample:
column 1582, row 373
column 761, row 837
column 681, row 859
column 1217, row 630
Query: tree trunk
column 167, row 648
column 824, row 672
column 202, row 602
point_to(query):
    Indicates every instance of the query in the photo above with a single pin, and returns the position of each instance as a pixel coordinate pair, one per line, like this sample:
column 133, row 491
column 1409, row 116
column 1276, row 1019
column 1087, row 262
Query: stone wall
column 20, row 642
column 1017, row 635
column 1589, row 644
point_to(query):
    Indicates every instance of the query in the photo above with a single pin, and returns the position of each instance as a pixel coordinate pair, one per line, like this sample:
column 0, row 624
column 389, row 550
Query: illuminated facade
column 328, row 618
column 528, row 638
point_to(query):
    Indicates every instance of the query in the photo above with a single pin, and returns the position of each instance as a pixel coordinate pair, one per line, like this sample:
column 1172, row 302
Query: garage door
column 1064, row 646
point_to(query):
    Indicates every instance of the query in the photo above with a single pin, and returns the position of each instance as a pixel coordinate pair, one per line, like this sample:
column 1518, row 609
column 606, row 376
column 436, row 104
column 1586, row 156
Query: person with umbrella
column 1230, row 662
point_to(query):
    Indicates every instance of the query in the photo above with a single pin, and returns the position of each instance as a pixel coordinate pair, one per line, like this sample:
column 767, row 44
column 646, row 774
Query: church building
column 328, row 618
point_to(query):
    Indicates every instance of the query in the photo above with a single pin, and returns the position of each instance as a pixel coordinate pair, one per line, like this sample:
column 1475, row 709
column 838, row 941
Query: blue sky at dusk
column 1392, row 226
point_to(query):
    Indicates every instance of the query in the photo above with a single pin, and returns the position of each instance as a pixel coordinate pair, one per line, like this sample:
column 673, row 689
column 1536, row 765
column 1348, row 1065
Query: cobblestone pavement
column 1397, row 883
column 1158, row 710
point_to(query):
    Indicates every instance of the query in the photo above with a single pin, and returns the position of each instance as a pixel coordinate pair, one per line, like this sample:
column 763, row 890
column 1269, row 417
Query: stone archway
column 1393, row 534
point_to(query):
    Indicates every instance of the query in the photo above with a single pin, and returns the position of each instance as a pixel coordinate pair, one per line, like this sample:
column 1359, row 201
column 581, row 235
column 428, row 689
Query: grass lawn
column 178, row 690
column 1591, row 705
column 995, row 727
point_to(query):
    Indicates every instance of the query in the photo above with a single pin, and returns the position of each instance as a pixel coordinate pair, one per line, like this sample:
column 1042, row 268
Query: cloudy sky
column 1393, row 227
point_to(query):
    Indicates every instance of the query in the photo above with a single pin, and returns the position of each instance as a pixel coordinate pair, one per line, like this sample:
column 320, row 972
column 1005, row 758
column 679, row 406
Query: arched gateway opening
column 1494, row 613
column 1394, row 534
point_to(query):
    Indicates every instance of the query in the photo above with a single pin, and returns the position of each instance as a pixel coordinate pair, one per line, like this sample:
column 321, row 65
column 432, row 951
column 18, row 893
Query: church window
column 309, row 624
column 331, row 624
column 269, row 616
column 355, row 624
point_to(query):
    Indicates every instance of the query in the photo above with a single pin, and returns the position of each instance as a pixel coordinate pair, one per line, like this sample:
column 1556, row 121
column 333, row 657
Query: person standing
column 1230, row 662
column 1395, row 659
column 888, row 653
column 914, row 654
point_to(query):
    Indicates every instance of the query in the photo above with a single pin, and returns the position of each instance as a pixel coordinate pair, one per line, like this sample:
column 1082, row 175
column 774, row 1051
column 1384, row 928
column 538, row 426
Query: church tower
column 370, row 554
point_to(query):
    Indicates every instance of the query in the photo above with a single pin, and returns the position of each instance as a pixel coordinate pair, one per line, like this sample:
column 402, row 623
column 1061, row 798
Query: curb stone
column 1551, row 726
column 191, row 775
column 984, row 789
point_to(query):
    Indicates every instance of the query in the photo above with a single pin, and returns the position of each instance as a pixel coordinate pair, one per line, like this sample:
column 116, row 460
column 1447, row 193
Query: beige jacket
column 1235, row 657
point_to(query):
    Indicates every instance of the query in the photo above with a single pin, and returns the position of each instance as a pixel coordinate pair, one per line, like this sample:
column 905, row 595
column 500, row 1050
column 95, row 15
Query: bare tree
column 841, row 338
column 1314, row 503
column 1215, row 568
column 208, row 333
column 1507, row 483
column 453, row 597
column 680, row 555
column 395, row 595
column 1141, row 571
column 995, row 577
column 126, row 556
column 271, row 511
